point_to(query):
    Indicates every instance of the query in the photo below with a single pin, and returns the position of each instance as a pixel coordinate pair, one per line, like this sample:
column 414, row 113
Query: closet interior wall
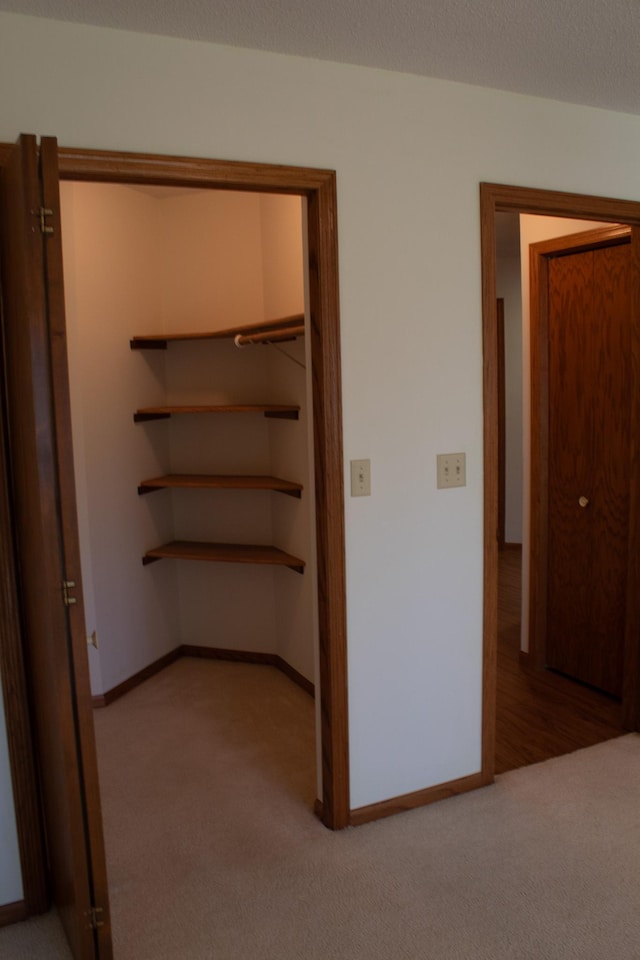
column 156, row 260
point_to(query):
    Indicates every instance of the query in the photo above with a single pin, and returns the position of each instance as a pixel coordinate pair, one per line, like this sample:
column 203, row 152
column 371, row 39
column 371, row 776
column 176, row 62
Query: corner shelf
column 223, row 553
column 193, row 481
column 286, row 328
column 280, row 411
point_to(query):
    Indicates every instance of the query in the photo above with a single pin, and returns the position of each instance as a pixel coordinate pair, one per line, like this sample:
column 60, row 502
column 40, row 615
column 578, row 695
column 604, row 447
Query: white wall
column 214, row 280
column 291, row 445
column 409, row 154
column 283, row 269
column 112, row 291
column 534, row 229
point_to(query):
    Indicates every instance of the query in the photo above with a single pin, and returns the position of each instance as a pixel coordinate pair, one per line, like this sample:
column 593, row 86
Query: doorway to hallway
column 496, row 199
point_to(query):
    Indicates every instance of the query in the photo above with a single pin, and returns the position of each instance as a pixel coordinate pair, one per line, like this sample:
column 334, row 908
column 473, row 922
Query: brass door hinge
column 94, row 922
column 45, row 212
column 67, row 599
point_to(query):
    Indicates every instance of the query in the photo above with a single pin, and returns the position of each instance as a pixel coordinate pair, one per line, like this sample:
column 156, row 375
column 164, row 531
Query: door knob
column 583, row 501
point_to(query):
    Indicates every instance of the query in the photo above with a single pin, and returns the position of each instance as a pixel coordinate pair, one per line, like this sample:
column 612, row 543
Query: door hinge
column 67, row 599
column 44, row 227
column 94, row 921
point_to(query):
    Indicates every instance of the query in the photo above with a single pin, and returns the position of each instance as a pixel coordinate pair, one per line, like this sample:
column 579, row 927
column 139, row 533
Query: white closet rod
column 269, row 336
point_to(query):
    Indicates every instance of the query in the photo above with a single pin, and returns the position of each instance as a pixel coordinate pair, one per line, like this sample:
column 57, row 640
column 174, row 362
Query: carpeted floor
column 213, row 851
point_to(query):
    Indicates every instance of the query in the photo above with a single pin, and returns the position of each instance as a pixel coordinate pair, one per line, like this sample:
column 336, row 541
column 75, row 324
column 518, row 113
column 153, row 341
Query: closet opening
column 47, row 519
column 563, row 216
column 187, row 310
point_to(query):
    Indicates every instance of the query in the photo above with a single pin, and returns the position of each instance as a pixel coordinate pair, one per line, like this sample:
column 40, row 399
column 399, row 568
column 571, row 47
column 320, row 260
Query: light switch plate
column 452, row 470
column 360, row 478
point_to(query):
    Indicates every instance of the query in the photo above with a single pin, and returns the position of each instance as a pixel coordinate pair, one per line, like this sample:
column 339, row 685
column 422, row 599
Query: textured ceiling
column 579, row 51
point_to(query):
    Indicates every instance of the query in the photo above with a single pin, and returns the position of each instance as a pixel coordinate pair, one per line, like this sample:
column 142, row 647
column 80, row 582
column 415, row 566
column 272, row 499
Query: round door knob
column 583, row 501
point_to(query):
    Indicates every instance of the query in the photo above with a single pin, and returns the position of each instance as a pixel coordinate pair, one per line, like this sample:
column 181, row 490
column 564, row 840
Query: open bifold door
column 45, row 520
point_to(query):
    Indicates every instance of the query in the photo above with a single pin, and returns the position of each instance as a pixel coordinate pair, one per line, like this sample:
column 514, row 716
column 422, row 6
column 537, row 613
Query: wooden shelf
column 220, row 482
column 286, row 328
column 223, row 553
column 281, row 411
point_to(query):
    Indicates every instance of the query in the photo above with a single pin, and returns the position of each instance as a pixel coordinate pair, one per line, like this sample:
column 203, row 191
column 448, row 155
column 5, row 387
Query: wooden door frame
column 20, row 737
column 318, row 187
column 539, row 255
column 502, row 426
column 499, row 198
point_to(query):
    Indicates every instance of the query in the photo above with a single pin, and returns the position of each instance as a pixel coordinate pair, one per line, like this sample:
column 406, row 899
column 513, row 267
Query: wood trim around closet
column 13, row 913
column 18, row 723
column 411, row 801
column 318, row 187
column 500, row 198
column 145, row 168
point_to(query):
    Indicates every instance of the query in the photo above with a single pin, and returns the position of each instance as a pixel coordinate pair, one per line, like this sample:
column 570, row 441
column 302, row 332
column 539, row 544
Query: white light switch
column 360, row 478
column 452, row 470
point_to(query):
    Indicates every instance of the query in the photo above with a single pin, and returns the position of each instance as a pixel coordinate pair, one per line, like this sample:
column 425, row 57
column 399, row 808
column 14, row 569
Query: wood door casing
column 31, row 840
column 68, row 518
column 502, row 426
column 504, row 198
column 57, row 667
column 589, row 339
column 318, row 187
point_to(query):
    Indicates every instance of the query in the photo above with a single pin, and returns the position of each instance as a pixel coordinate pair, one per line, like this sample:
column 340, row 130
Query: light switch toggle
column 361, row 478
column 452, row 470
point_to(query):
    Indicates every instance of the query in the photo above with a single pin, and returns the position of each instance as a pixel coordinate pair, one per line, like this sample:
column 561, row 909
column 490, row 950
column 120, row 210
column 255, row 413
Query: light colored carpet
column 213, row 851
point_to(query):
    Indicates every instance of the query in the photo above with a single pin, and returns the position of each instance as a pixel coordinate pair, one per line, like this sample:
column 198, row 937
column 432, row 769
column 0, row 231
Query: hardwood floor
column 540, row 715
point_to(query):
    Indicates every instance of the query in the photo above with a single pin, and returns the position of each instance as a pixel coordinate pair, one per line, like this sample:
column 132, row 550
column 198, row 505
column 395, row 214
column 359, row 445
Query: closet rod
column 269, row 336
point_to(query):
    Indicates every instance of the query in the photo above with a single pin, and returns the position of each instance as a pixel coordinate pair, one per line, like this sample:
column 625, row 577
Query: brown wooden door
column 589, row 316
column 41, row 469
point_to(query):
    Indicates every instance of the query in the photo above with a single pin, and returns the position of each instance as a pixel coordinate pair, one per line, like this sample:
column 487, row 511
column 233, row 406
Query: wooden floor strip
column 540, row 714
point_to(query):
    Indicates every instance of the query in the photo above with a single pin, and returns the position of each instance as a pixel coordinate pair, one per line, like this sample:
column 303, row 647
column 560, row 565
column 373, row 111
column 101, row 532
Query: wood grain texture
column 32, row 439
column 195, row 481
column 502, row 458
column 539, row 457
column 570, row 464
column 409, row 801
column 490, row 467
column 540, row 714
column 117, row 167
column 589, row 349
column 327, row 407
column 224, row 553
column 631, row 663
column 72, row 571
column 554, row 203
column 580, row 288
column 31, row 841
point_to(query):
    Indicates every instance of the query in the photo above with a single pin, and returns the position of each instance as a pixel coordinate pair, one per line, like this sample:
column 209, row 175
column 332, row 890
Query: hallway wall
column 409, row 153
